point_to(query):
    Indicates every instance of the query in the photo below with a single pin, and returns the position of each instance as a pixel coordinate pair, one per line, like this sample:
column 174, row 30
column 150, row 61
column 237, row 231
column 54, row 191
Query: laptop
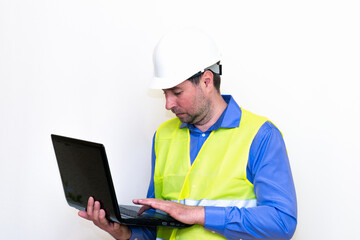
column 85, row 172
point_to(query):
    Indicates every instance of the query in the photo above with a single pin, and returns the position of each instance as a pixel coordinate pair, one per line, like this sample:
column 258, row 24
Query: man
column 215, row 165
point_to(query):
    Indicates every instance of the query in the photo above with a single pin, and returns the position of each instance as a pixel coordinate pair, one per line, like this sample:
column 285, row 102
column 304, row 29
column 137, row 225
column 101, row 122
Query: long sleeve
column 143, row 233
column 275, row 215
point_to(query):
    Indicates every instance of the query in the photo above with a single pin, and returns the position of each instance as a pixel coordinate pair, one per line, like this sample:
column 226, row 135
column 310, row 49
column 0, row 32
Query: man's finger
column 143, row 209
column 102, row 218
column 90, row 206
column 156, row 204
column 83, row 214
column 96, row 211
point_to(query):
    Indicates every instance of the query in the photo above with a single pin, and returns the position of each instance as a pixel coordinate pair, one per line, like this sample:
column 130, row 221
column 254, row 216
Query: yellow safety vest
column 217, row 176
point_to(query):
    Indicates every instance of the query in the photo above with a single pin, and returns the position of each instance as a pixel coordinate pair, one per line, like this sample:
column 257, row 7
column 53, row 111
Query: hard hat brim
column 164, row 83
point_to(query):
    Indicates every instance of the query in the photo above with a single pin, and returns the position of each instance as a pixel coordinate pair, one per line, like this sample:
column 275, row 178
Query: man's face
column 188, row 102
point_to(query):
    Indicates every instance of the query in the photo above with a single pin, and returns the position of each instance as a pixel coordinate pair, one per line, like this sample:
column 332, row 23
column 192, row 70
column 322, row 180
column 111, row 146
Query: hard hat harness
column 215, row 68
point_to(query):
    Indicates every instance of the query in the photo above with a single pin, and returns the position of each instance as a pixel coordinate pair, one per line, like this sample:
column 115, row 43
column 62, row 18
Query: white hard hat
column 182, row 53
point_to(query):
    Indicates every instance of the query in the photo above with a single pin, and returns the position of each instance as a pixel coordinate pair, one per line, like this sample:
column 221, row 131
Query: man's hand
column 97, row 216
column 181, row 212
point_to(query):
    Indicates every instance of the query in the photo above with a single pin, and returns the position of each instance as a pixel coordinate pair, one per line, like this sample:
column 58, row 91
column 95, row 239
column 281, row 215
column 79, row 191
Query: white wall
column 81, row 68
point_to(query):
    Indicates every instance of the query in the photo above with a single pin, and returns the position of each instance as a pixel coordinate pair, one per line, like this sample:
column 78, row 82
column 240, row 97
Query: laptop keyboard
column 128, row 212
column 131, row 212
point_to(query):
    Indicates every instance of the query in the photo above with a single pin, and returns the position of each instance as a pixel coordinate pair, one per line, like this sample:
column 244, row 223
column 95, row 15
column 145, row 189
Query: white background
column 82, row 68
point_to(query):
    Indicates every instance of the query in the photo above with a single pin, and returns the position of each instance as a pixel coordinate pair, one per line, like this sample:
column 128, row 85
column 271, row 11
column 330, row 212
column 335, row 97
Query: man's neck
column 219, row 106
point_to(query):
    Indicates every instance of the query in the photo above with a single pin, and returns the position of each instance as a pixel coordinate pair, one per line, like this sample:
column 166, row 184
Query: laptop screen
column 85, row 172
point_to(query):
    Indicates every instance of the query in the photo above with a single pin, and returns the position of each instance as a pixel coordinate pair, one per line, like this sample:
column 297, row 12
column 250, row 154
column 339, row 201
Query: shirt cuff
column 142, row 233
column 215, row 219
column 136, row 233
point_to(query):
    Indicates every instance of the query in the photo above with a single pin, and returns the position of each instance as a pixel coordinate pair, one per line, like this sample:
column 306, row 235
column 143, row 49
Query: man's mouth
column 177, row 113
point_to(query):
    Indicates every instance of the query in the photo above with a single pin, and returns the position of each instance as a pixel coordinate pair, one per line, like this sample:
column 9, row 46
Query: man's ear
column 208, row 79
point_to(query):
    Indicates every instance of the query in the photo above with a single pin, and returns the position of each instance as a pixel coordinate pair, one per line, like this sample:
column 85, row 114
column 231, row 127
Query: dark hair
column 196, row 79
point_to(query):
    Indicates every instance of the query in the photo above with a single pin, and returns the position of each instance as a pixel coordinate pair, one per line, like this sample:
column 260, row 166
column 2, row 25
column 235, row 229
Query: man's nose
column 170, row 102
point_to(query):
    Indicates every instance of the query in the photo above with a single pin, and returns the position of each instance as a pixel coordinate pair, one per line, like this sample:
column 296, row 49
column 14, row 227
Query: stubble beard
column 199, row 117
column 201, row 110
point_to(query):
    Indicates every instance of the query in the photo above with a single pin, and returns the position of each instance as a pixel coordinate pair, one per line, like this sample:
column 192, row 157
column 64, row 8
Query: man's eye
column 177, row 93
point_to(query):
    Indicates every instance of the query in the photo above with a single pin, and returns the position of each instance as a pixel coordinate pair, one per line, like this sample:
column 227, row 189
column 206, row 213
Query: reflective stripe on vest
column 219, row 202
column 217, row 176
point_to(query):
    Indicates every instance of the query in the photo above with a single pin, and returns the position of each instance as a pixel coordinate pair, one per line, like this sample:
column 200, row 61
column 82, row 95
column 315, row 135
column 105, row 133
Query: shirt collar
column 230, row 118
